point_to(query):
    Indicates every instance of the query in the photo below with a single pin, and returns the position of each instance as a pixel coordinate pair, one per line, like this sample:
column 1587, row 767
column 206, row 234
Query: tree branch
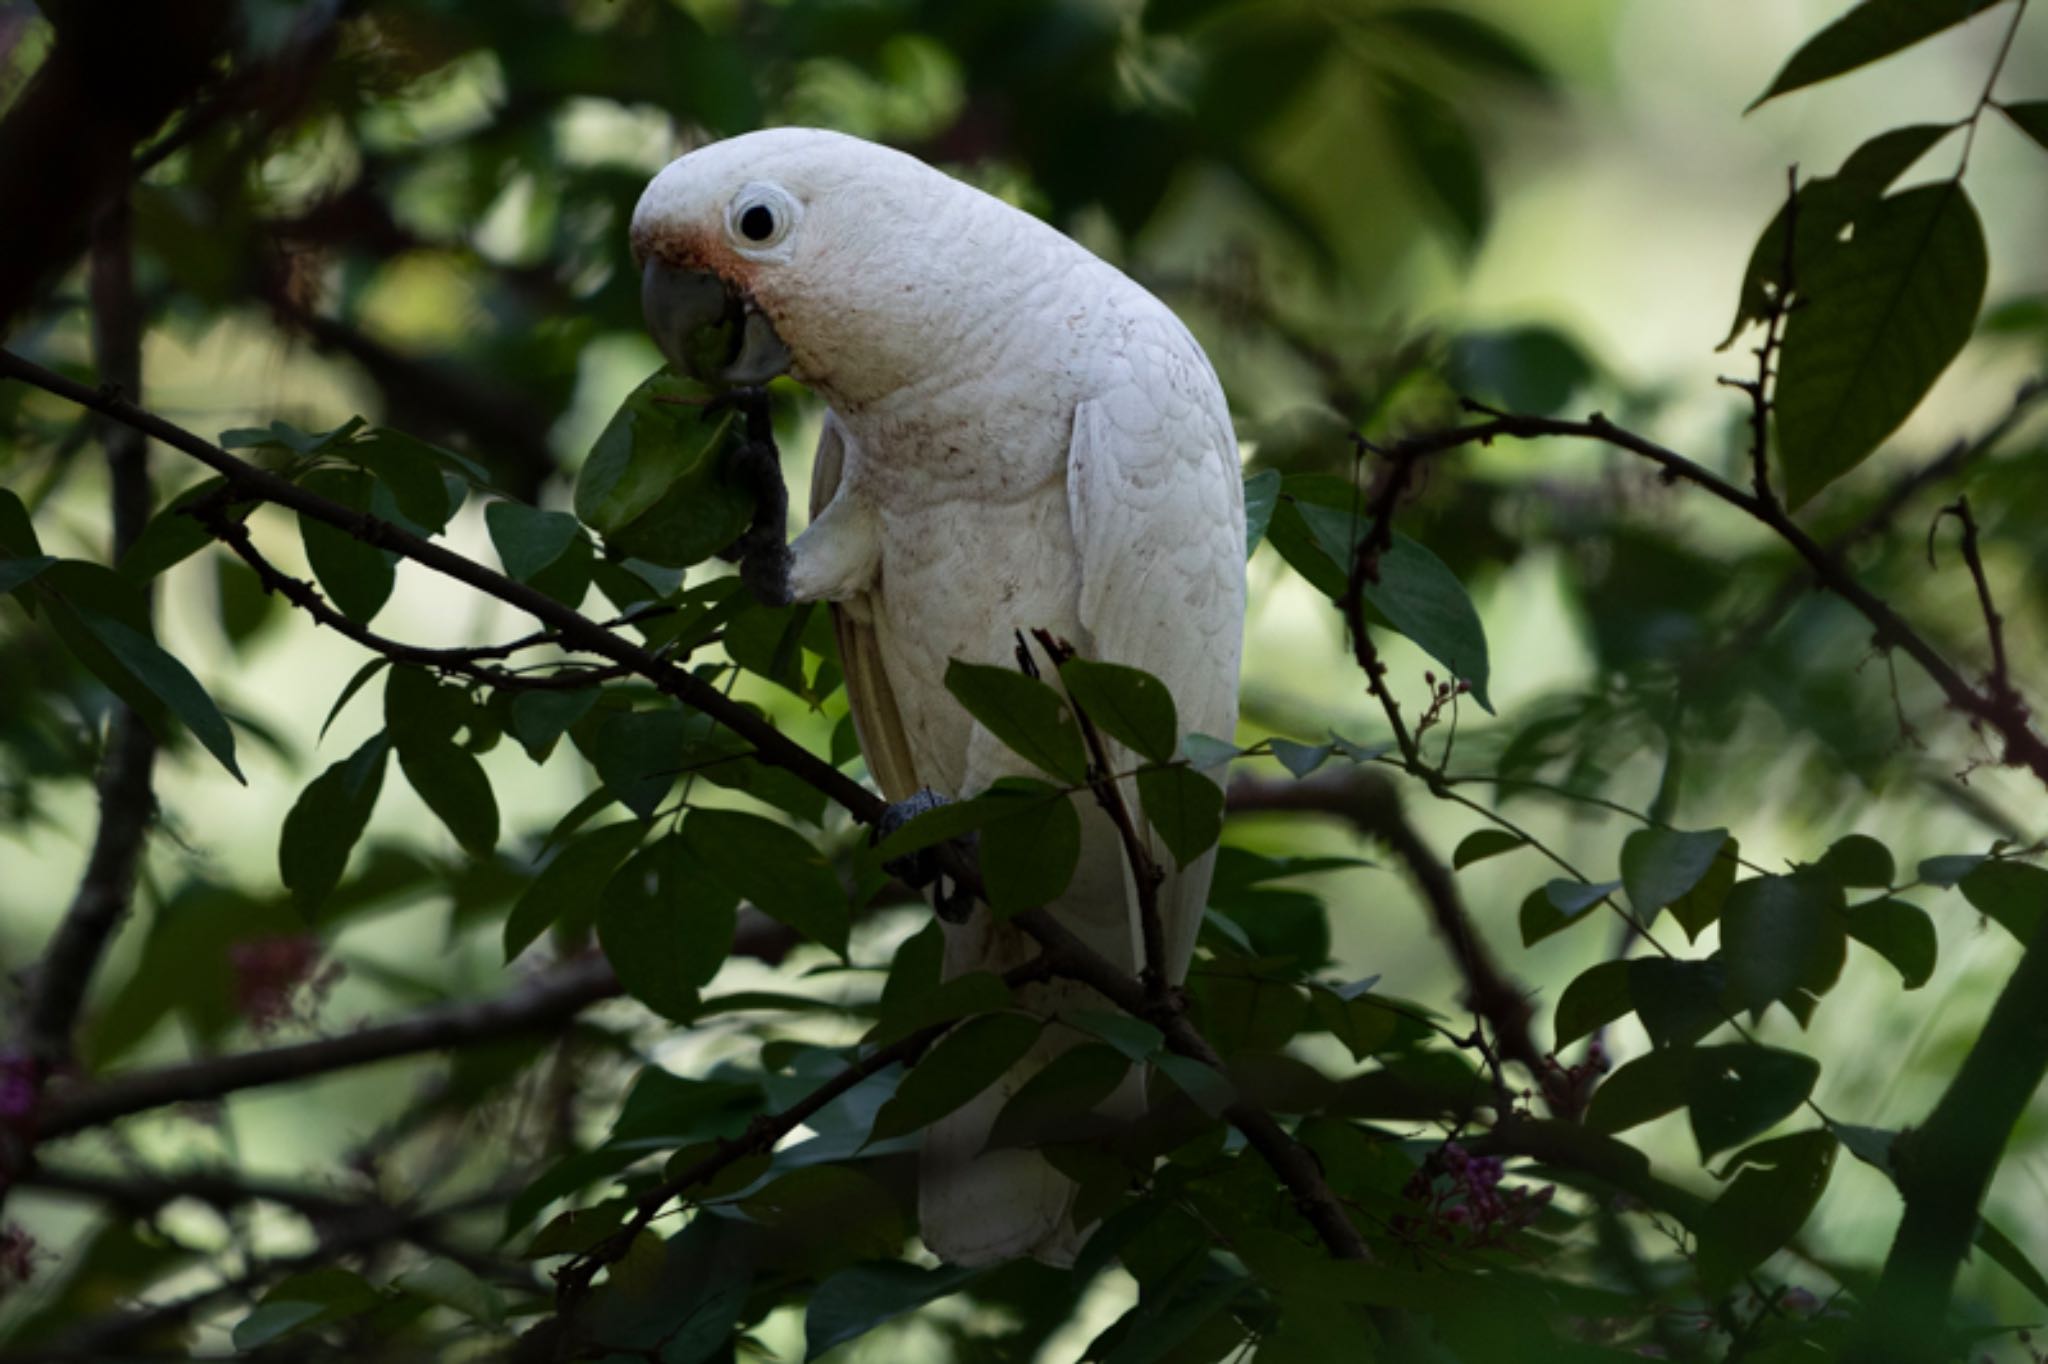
column 1371, row 806
column 1073, row 958
column 2023, row 747
column 541, row 1005
column 1944, row 1166
column 127, row 802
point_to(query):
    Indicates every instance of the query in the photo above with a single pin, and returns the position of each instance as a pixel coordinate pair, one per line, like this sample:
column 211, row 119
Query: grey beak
column 707, row 330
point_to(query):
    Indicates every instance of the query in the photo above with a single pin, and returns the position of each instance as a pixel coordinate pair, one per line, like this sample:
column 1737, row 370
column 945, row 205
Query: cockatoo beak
column 708, row 329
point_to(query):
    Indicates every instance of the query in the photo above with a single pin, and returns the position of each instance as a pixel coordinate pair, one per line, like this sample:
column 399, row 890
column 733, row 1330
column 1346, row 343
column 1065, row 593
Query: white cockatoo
column 1019, row 437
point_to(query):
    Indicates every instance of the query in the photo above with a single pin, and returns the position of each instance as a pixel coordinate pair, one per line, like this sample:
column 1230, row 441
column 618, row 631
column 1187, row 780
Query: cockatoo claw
column 924, row 867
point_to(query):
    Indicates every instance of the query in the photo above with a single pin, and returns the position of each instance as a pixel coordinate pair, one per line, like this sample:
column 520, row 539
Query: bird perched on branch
column 1019, row 437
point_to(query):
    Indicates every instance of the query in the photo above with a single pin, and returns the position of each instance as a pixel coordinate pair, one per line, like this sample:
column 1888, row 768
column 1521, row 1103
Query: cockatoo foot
column 924, row 868
column 763, row 549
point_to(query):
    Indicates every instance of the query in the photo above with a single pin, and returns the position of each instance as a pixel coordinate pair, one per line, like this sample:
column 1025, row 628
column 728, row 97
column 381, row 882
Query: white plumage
column 1020, row 437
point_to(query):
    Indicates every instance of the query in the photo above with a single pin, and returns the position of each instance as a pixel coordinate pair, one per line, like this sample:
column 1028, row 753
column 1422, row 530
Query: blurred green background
column 1361, row 208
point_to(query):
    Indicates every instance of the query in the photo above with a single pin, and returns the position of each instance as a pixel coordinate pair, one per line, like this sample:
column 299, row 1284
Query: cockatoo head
column 812, row 251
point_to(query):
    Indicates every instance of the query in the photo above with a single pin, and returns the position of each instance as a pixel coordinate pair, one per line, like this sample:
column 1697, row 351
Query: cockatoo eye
column 760, row 217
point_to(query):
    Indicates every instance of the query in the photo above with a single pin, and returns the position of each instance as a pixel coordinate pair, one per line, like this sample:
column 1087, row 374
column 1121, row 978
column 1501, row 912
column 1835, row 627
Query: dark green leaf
column 1679, row 1002
column 1209, row 1089
column 528, row 539
column 354, row 685
column 976, row 992
column 1596, row 997
column 773, row 867
column 1781, row 935
column 1058, row 1103
column 1873, row 30
column 356, row 577
column 2013, row 895
column 19, row 572
column 452, row 783
column 1185, row 807
column 171, row 536
column 1129, row 705
column 1535, row 369
column 665, row 924
column 539, row 718
column 2007, row 1255
column 653, row 484
column 1557, row 905
column 1261, row 493
column 1439, row 151
column 325, row 823
column 1645, row 1088
column 958, row 1066
column 2030, row 117
column 1899, row 932
column 1881, row 319
column 1660, row 865
column 168, row 680
column 412, row 470
column 1858, row 860
column 835, row 1210
column 1134, row 1037
column 1418, row 595
column 1469, row 40
column 448, row 1284
column 575, row 877
column 1949, row 870
column 1481, row 844
column 1699, row 908
column 1780, row 1182
column 855, row 1301
column 1030, row 718
column 953, row 819
column 1733, row 1093
column 1824, row 209
column 1030, row 847
column 639, row 755
column 302, row 1300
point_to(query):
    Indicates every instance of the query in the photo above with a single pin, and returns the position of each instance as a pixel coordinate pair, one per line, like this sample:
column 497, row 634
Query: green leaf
column 1185, row 807
column 1030, row 718
column 447, row 1283
column 1261, row 495
column 1660, row 865
column 1134, row 1037
column 1679, row 1002
column 855, row 1301
column 302, row 1300
column 1481, row 844
column 1736, row 1092
column 638, row 756
column 1209, row 1089
column 325, row 823
column 1419, row 597
column 355, row 684
column 1824, row 208
column 832, row 1210
column 576, row 877
column 1536, row 369
column 976, row 992
column 1058, row 1103
column 1781, row 936
column 2013, row 895
column 452, row 783
column 2030, row 117
column 1645, row 1088
column 1780, row 1183
column 16, row 573
column 666, row 924
column 356, row 577
column 1881, row 318
column 1596, row 997
column 1899, row 932
column 1700, row 908
column 412, row 470
column 1030, row 846
column 2008, row 1256
column 653, row 484
column 958, row 1066
column 528, row 539
column 1950, row 869
column 1858, row 860
column 1440, row 151
column 775, row 868
column 540, row 718
column 1130, row 705
column 1468, row 40
column 1873, row 30
column 170, row 682
column 1557, row 905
